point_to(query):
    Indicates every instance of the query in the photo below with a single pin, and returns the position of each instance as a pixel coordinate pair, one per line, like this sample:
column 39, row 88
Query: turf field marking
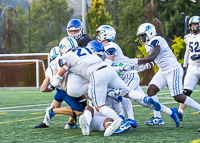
column 24, row 106
column 21, row 120
column 3, row 112
column 22, row 110
column 195, row 113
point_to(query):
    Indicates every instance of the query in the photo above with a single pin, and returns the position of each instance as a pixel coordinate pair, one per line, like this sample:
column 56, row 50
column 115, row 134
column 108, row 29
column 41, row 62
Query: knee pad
column 187, row 92
column 83, row 103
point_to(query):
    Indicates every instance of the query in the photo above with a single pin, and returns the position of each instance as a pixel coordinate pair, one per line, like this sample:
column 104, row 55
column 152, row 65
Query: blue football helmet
column 194, row 19
column 97, row 48
column 75, row 24
column 54, row 52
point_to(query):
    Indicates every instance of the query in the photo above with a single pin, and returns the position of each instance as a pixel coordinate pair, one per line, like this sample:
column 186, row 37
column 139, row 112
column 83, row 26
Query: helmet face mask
column 105, row 32
column 54, row 52
column 194, row 24
column 66, row 44
column 75, row 28
column 146, row 31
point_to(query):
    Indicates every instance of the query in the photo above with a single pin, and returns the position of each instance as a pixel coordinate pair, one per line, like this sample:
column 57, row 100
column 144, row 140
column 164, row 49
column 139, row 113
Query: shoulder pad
column 154, row 43
column 110, row 51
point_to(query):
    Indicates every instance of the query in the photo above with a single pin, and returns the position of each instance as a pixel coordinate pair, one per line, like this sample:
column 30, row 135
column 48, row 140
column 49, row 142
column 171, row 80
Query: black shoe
column 41, row 125
column 180, row 116
column 199, row 130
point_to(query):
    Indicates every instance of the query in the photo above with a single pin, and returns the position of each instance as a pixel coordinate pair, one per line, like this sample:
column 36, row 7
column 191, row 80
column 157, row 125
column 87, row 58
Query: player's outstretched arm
column 151, row 57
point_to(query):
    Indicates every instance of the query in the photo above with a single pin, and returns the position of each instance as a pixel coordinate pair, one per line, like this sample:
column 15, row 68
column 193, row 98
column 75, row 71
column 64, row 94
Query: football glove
column 50, row 86
column 126, row 68
column 134, row 63
column 56, row 80
column 195, row 57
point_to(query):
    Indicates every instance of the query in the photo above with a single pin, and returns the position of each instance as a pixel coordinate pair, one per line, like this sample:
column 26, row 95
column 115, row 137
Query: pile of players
column 97, row 71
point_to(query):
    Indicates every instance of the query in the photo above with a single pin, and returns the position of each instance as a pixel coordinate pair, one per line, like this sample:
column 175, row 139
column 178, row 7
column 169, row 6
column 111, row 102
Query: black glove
column 51, row 87
column 184, row 70
column 195, row 57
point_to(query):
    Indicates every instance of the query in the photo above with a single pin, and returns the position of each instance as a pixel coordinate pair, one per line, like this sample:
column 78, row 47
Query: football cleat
column 84, row 126
column 180, row 115
column 49, row 115
column 199, row 130
column 122, row 117
column 132, row 122
column 155, row 105
column 41, row 125
column 155, row 121
column 117, row 92
column 113, row 127
column 175, row 117
column 71, row 126
column 125, row 126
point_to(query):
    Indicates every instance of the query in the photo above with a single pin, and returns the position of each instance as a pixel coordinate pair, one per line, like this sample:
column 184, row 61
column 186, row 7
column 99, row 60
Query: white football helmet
column 148, row 29
column 194, row 19
column 105, row 32
column 54, row 52
column 66, row 44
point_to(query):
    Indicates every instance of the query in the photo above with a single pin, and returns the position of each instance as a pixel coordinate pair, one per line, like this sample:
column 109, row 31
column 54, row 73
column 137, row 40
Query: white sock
column 134, row 94
column 191, row 103
column 165, row 109
column 156, row 113
column 180, row 111
column 108, row 112
column 128, row 107
column 88, row 116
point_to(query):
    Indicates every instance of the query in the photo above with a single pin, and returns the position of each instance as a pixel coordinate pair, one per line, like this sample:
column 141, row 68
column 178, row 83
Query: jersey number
column 82, row 53
column 196, row 47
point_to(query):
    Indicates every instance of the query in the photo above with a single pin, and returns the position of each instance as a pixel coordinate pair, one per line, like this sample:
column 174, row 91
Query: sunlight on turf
column 3, row 112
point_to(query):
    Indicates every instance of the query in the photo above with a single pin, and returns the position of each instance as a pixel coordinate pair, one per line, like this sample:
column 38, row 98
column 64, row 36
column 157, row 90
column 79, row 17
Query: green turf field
column 20, row 110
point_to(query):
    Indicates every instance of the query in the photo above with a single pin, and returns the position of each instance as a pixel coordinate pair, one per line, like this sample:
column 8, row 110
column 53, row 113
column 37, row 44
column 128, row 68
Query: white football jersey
column 112, row 49
column 82, row 61
column 193, row 46
column 165, row 60
column 49, row 72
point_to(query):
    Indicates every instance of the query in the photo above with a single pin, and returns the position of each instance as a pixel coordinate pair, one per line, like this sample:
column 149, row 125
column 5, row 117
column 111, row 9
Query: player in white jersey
column 84, row 62
column 170, row 72
column 75, row 106
column 192, row 56
column 115, row 57
column 92, row 120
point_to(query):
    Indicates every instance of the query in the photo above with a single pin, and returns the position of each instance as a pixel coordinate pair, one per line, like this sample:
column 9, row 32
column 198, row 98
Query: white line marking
column 24, row 106
column 23, row 110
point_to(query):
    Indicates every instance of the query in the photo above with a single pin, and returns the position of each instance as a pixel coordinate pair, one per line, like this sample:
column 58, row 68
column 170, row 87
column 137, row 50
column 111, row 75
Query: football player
column 83, row 62
column 170, row 71
column 91, row 120
column 115, row 58
column 76, row 107
column 192, row 55
column 75, row 29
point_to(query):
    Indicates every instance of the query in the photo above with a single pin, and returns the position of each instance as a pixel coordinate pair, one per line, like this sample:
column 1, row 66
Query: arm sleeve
column 186, row 57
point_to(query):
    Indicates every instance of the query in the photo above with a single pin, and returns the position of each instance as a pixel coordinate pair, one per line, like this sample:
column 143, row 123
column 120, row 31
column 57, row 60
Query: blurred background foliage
column 42, row 26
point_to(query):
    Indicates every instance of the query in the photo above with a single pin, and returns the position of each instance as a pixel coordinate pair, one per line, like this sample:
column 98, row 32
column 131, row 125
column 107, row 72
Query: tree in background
column 47, row 21
column 130, row 16
column 169, row 12
column 97, row 16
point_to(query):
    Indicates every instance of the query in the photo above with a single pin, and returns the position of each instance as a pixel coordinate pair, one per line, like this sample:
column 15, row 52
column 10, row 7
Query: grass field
column 20, row 110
